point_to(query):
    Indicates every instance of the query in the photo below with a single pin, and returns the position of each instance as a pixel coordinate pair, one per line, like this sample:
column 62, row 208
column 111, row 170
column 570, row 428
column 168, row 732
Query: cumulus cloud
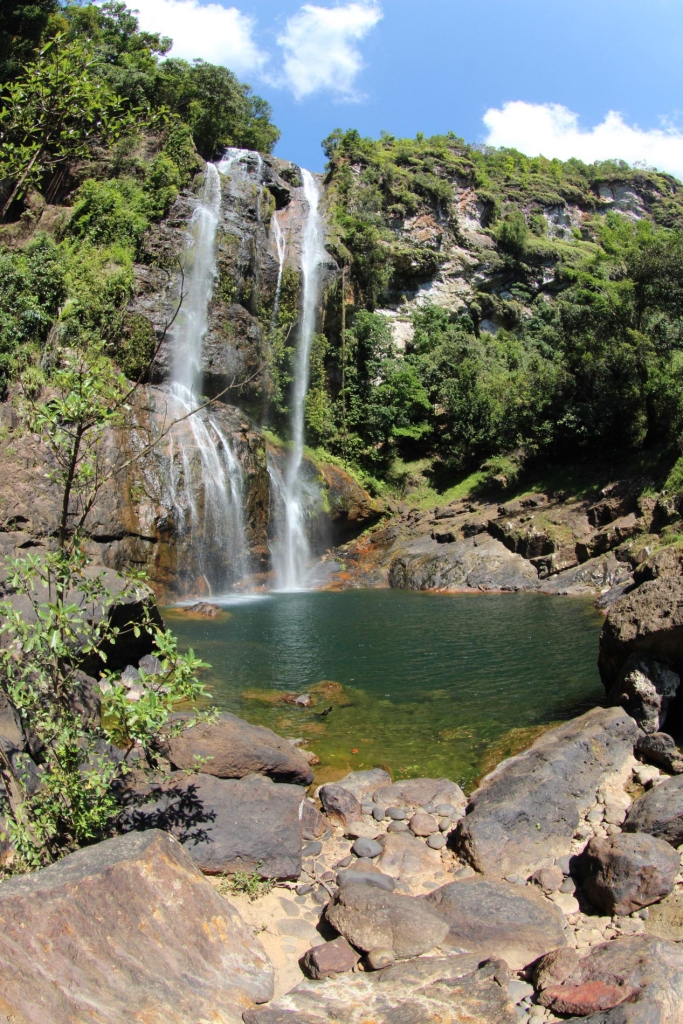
column 320, row 50
column 220, row 35
column 552, row 130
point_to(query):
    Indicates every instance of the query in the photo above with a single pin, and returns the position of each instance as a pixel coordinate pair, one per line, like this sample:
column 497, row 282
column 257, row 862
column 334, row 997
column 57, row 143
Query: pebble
column 344, row 863
column 520, row 990
column 436, row 841
column 379, row 958
column 445, row 810
column 569, row 885
column 613, row 830
column 398, row 826
column 614, row 814
column 466, row 872
column 515, row 879
column 378, row 813
column 563, row 864
column 367, row 808
column 312, row 849
column 567, row 903
column 321, row 895
column 444, row 824
column 422, row 824
column 596, row 815
column 303, row 890
column 364, row 847
column 396, row 813
column 646, row 774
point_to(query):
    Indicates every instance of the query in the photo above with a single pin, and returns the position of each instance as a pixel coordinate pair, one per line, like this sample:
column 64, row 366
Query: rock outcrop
column 648, row 620
column 126, row 930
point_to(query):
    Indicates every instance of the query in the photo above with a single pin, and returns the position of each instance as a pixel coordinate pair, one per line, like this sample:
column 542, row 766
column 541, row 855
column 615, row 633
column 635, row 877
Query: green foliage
column 244, row 883
column 513, row 231
column 111, row 211
column 22, row 30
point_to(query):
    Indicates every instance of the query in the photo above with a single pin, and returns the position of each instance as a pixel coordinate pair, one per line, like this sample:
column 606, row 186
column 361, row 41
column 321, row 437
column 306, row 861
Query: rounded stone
column 444, row 824
column 344, row 863
column 422, row 824
column 396, row 813
column 366, row 848
column 367, row 808
column 437, row 841
column 378, row 813
column 398, row 826
column 380, row 958
column 445, row 810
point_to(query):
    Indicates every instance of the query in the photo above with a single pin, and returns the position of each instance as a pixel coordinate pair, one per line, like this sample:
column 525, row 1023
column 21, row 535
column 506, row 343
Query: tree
column 57, row 111
column 22, row 29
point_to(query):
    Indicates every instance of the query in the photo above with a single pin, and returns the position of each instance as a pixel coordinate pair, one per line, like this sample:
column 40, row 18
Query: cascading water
column 206, row 480
column 281, row 247
column 291, row 551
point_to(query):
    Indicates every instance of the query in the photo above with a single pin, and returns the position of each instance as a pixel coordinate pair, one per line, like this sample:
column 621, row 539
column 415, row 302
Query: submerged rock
column 499, row 919
column 231, row 748
column 528, row 808
column 115, row 931
column 442, row 988
column 225, row 825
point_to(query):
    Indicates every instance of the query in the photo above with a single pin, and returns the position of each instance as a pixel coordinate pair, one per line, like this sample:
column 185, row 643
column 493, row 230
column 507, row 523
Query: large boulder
column 372, row 918
column 626, row 872
column 645, row 689
column 446, row 989
column 476, row 563
column 226, row 825
column 421, row 793
column 528, row 808
column 659, row 812
column 647, row 620
column 498, row 919
column 634, row 980
column 232, row 748
column 128, row 930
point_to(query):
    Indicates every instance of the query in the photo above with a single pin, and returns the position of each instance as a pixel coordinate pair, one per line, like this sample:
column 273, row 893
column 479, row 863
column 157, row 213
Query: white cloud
column 220, row 35
column 552, row 130
column 319, row 47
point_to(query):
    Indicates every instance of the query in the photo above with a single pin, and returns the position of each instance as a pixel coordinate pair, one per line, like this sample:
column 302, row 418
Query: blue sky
column 591, row 79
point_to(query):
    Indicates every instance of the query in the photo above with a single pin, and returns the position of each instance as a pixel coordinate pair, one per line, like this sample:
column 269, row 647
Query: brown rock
column 626, row 872
column 406, row 858
column 423, row 824
column 370, row 917
column 420, row 792
column 340, row 805
column 549, row 879
column 665, row 919
column 659, row 812
column 555, row 967
column 233, row 749
column 313, row 823
column 115, row 931
column 590, row 997
column 648, row 620
column 331, row 958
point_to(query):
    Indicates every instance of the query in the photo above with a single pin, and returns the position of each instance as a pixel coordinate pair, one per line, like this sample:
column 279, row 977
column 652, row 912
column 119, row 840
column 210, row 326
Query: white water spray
column 291, row 552
column 207, row 486
column 281, row 250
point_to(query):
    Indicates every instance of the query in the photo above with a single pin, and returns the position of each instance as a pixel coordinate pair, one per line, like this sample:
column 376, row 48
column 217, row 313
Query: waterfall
column 206, row 480
column 291, row 551
column 281, row 249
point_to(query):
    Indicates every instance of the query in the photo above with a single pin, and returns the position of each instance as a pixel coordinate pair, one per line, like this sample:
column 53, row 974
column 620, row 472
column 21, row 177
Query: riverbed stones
column 440, row 988
column 624, row 873
column 413, row 793
column 639, row 974
column 231, row 748
column 497, row 919
column 225, row 825
column 313, row 823
column 365, row 876
column 340, row 805
column 366, row 848
column 422, row 824
column 409, row 860
column 645, row 689
column 528, row 809
column 555, row 967
column 330, row 958
column 114, row 932
column 370, row 917
column 659, row 811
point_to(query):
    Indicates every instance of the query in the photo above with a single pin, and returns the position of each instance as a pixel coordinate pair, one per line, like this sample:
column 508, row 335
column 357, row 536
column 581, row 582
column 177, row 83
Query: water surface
column 430, row 684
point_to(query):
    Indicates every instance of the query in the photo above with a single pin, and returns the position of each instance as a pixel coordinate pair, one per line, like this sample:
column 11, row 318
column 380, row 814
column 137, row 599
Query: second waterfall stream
column 291, row 551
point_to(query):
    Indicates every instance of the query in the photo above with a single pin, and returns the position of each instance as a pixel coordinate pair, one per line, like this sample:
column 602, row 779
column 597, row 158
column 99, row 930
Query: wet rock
column 447, row 989
column 418, row 792
column 340, row 805
column 363, row 784
column 659, row 812
column 202, row 609
column 423, row 825
column 528, row 809
column 623, row 873
column 498, row 919
column 645, row 689
column 335, row 957
column 647, row 971
column 114, row 931
column 233, row 749
column 660, row 749
column 370, row 917
column 225, row 825
column 648, row 620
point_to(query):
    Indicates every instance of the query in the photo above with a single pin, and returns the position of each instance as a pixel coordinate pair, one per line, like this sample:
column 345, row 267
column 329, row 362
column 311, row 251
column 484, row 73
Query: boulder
column 234, row 748
column 645, row 689
column 363, row 784
column 126, row 930
column 476, row 563
column 659, row 811
column 623, row 873
column 631, row 980
column 313, row 823
column 499, row 919
column 666, row 562
column 660, row 749
column 420, row 792
column 527, row 810
column 555, row 967
column 409, row 860
column 335, row 957
column 226, row 825
column 647, row 620
column 340, row 805
column 448, row 989
column 370, row 917
column 665, row 919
